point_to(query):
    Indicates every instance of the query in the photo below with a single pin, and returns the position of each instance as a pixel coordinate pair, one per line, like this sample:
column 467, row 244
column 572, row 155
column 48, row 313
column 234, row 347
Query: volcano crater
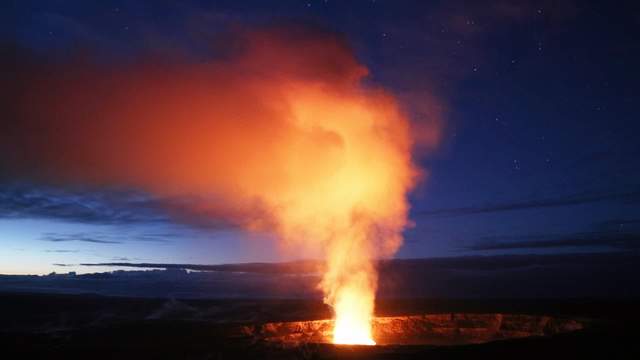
column 428, row 329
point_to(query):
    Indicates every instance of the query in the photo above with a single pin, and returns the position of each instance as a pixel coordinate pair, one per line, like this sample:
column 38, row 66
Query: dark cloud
column 61, row 251
column 618, row 222
column 92, row 207
column 81, row 237
column 151, row 238
column 618, row 225
column 100, row 238
column 561, row 201
column 123, row 258
column 108, row 207
column 294, row 267
column 610, row 240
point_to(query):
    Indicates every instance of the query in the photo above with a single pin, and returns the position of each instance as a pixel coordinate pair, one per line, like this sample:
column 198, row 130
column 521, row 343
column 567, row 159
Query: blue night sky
column 538, row 99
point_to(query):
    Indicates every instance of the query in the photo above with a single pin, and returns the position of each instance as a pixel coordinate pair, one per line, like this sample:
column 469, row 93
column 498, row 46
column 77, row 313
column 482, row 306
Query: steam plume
column 281, row 132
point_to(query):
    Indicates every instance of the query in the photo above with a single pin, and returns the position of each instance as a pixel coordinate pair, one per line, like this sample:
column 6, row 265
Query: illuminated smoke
column 281, row 132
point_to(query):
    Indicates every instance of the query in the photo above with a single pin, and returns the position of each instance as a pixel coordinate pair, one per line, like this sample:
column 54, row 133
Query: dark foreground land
column 99, row 327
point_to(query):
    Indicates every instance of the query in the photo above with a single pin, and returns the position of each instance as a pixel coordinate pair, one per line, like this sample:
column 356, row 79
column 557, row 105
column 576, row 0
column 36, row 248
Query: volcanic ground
column 102, row 327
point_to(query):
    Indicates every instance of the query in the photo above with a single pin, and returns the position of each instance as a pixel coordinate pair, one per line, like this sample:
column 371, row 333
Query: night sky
column 537, row 101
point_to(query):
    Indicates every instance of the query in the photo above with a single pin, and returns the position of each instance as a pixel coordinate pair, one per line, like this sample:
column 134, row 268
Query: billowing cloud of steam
column 280, row 134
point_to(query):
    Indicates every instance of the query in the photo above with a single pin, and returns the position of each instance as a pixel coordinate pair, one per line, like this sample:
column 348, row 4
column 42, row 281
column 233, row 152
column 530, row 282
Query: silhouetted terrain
column 185, row 311
column 98, row 327
column 604, row 275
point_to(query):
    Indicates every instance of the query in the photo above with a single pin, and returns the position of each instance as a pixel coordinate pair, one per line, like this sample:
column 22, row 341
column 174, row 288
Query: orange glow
column 353, row 304
column 358, row 208
column 283, row 137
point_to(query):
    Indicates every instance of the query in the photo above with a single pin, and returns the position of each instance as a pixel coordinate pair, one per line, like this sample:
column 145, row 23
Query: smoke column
column 280, row 131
